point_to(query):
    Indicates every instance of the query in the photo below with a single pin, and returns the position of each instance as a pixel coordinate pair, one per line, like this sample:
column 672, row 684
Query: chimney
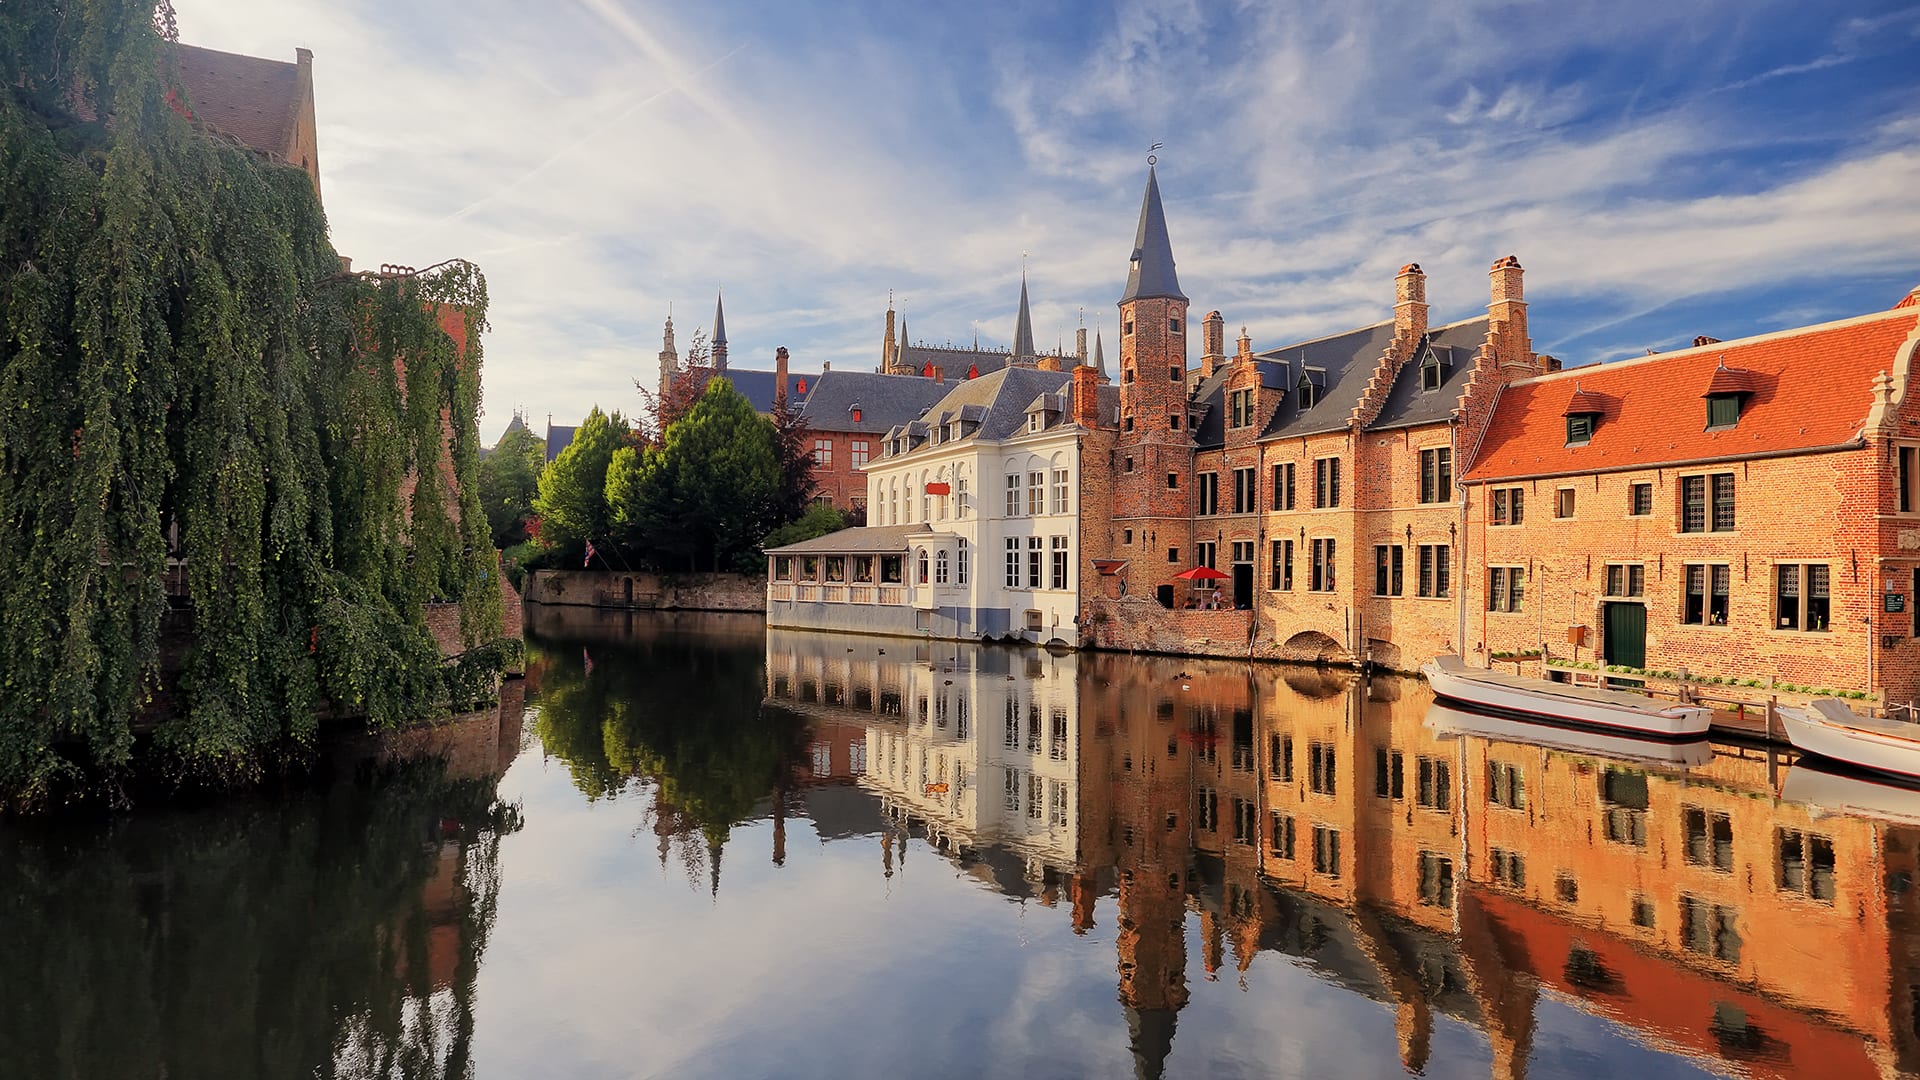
column 939, row 375
column 826, row 366
column 1080, row 346
column 1048, row 363
column 1245, row 355
column 1549, row 363
column 780, row 376
column 1705, row 340
column 1086, row 397
column 1410, row 302
column 1507, row 310
column 1214, row 350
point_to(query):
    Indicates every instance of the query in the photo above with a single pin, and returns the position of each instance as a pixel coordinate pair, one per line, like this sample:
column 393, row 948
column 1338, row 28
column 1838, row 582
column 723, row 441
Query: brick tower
column 1154, row 455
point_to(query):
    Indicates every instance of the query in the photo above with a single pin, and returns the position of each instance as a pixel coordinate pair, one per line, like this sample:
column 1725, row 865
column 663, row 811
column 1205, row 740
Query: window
column 1706, row 595
column 1326, row 851
column 1436, row 475
column 1013, row 494
column 1279, row 835
column 1246, row 825
column 1709, row 929
column 1173, row 480
column 1640, row 499
column 1175, row 325
column 1509, row 868
column 1036, row 494
column 1246, row 495
column 1626, row 579
column 862, row 452
column 1722, row 484
column 1126, row 326
column 1643, row 912
column 1243, row 551
column 1723, row 410
column 822, row 453
column 1206, row 808
column 1173, row 420
column 1506, row 586
column 1435, row 784
column 1436, row 570
column 1580, row 429
column 1709, row 838
column 1033, row 422
column 1206, row 493
column 1306, row 393
column 1432, row 372
column 1126, row 422
column 1566, row 888
column 1033, row 562
column 1013, row 562
column 941, row 563
column 1693, row 503
column 1059, row 552
column 1387, row 567
column 1509, row 506
column 1280, row 758
column 1563, row 504
column 1320, row 768
column 1806, row 864
column 960, row 561
column 1036, row 796
column 1436, row 880
column 1282, row 572
column 1506, row 785
column 1322, row 566
column 1389, row 774
column 1800, row 600
column 1623, row 802
column 1205, row 553
column 1173, row 554
column 1240, row 408
column 921, row 562
column 1326, row 482
column 960, row 498
column 1906, row 483
column 1059, row 491
column 1176, row 373
column 1283, row 486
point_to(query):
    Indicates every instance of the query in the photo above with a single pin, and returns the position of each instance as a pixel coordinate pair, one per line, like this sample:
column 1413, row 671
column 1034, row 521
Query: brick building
column 848, row 415
column 267, row 105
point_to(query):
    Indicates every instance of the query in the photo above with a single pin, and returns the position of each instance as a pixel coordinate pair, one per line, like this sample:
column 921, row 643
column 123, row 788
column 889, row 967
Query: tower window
column 1175, row 326
column 1175, row 373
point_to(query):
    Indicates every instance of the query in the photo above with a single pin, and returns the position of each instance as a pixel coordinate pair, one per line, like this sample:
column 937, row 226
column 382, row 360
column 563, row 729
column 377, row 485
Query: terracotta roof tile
column 1585, row 402
column 252, row 99
column 1811, row 387
column 1728, row 380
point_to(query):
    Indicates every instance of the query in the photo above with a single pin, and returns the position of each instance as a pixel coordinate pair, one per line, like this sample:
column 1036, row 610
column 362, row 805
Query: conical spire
column 718, row 346
column 1099, row 356
column 1023, row 326
column 1150, row 268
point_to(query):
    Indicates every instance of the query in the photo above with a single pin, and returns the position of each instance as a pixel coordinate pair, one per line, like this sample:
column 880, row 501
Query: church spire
column 719, row 343
column 1099, row 356
column 1150, row 267
column 1023, row 325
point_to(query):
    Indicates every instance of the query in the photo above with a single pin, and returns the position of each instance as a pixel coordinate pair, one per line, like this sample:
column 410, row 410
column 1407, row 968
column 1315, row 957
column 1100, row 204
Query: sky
column 1660, row 169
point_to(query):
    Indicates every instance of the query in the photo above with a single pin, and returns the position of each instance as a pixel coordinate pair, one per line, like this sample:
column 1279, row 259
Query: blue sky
column 1661, row 169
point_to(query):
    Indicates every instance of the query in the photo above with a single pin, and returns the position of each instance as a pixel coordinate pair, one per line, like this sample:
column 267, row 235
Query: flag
column 587, row 659
column 588, row 561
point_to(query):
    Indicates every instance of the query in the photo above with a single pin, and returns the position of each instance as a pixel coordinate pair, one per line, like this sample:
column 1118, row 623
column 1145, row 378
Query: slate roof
column 885, row 400
column 250, row 98
column 1023, row 324
column 955, row 362
column 866, row 538
column 1813, row 388
column 1457, row 345
column 1005, row 394
column 1347, row 361
column 1150, row 266
column 758, row 386
column 558, row 439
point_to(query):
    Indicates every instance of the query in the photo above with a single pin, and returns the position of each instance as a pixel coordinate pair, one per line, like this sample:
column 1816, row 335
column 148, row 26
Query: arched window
column 923, row 566
column 940, row 568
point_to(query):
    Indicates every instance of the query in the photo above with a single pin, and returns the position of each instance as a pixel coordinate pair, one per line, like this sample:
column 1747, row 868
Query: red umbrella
column 1200, row 573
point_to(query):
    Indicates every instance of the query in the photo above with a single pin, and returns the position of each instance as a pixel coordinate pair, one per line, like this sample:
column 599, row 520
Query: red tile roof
column 1810, row 387
column 252, row 99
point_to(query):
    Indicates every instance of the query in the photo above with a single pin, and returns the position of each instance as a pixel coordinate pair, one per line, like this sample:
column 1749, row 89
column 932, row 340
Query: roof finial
column 1151, row 150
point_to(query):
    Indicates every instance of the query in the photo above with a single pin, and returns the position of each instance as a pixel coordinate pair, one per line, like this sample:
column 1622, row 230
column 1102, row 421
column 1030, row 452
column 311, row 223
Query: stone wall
column 672, row 592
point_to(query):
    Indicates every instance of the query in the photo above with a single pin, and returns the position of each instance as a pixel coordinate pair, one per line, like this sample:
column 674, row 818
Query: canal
column 689, row 846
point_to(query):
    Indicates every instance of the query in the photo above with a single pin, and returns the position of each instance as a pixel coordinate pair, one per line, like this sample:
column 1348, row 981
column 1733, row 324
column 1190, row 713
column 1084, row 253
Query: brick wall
column 839, row 481
column 684, row 592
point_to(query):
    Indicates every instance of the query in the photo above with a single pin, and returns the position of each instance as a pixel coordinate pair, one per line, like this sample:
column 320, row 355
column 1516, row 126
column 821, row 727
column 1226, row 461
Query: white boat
column 1832, row 730
column 1448, row 722
column 1563, row 703
column 1851, row 796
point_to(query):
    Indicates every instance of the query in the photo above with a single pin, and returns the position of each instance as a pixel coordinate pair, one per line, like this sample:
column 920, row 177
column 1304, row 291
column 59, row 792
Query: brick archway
column 1313, row 647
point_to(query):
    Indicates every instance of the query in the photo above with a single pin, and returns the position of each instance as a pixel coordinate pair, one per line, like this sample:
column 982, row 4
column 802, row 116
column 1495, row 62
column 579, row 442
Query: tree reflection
column 338, row 935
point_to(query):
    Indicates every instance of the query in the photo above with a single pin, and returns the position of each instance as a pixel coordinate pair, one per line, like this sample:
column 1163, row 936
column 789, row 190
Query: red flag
column 588, row 561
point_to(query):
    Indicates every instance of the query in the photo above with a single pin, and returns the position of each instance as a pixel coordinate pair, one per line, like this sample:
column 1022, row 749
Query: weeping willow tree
column 190, row 385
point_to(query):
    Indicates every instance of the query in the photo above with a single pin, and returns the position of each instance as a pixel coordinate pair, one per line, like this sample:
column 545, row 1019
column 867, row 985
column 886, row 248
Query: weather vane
column 1151, row 150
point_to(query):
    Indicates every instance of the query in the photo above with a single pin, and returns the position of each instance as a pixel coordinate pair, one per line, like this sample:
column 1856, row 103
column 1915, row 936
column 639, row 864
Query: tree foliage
column 819, row 520
column 180, row 357
column 573, row 490
column 793, row 452
column 708, row 491
column 509, row 483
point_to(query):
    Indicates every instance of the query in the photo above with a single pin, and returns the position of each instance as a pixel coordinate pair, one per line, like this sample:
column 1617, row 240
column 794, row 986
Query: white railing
column 780, row 590
column 836, row 593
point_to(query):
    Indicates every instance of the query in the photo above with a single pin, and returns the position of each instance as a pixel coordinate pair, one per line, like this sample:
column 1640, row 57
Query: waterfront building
column 848, row 415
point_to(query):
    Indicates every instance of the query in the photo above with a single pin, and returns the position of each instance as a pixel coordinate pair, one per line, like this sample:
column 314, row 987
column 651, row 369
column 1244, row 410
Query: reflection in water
column 335, row 934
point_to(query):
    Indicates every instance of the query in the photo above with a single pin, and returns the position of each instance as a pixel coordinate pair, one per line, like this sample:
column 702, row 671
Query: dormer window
column 855, row 410
column 1727, row 393
column 1580, row 428
column 1306, row 393
column 1033, row 422
column 1583, row 413
column 1433, row 373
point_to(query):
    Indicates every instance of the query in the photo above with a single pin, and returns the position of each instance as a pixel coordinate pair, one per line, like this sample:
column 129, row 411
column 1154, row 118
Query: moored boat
column 1813, row 783
column 1447, row 721
column 1563, row 703
column 1832, row 730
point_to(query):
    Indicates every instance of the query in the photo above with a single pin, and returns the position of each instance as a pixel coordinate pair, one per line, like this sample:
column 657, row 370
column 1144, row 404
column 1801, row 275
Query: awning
column 1109, row 567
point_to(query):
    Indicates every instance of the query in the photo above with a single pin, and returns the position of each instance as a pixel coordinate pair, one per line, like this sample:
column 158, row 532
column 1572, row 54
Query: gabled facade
column 848, row 415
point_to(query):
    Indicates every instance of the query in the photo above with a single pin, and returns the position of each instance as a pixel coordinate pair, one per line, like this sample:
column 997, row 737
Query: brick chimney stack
column 940, row 376
column 780, row 376
column 1086, row 397
column 1507, row 310
column 1214, row 343
column 1410, row 302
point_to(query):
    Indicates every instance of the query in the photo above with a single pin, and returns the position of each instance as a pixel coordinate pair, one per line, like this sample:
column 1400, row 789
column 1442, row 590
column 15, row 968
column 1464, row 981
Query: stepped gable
column 1342, row 366
column 1812, row 388
column 885, row 401
column 1458, row 347
column 1210, row 398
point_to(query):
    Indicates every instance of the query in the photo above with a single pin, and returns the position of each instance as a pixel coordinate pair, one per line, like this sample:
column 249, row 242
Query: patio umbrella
column 1200, row 573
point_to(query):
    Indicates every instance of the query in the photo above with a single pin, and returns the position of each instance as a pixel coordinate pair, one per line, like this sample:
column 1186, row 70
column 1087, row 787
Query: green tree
column 509, row 483
column 819, row 520
column 572, row 503
column 793, row 449
column 709, row 490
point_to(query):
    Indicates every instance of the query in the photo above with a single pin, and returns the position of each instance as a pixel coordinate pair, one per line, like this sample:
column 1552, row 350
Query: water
column 709, row 850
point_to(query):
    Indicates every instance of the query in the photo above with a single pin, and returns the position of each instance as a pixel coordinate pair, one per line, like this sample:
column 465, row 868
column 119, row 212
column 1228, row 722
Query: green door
column 1626, row 640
